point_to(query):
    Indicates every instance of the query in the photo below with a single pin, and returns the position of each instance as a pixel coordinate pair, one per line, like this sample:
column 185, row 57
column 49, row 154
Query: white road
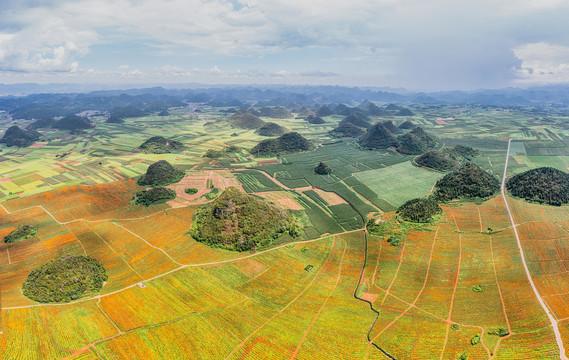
column 549, row 315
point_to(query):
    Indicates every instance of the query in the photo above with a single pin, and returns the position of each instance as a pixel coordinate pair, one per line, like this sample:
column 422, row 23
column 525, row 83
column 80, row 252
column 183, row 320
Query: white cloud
column 543, row 63
column 414, row 42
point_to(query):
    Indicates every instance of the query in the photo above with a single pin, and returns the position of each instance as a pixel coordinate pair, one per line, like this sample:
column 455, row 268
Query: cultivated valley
column 218, row 225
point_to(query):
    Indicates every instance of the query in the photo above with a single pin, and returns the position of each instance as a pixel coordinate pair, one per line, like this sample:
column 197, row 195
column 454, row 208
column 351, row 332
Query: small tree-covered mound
column 404, row 112
column 161, row 173
column 120, row 113
column 17, row 137
column 289, row 142
column 72, row 122
column 156, row 195
column 389, row 125
column 436, row 160
column 65, row 279
column 357, row 120
column 377, row 137
column 347, row 130
column 322, row 169
column 393, row 107
column 271, row 129
column 279, row 112
column 407, row 125
column 213, row 154
column 447, row 158
column 245, row 120
column 324, row 110
column 415, row 142
column 419, row 210
column 305, row 113
column 543, row 185
column 467, row 182
column 315, row 120
column 22, row 232
column 237, row 221
column 161, row 145
column 374, row 110
column 46, row 122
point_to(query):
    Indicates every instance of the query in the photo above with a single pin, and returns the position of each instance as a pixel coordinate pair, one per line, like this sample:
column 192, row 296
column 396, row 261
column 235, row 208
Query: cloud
column 543, row 63
column 419, row 44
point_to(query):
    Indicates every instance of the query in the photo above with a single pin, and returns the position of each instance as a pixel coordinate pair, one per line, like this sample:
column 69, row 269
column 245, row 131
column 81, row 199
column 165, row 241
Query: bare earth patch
column 282, row 198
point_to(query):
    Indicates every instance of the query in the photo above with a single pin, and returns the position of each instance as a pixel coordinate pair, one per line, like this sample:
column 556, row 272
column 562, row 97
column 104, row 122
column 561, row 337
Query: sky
column 414, row 44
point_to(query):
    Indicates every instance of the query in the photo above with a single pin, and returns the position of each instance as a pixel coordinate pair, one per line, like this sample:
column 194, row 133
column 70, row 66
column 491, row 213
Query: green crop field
column 399, row 183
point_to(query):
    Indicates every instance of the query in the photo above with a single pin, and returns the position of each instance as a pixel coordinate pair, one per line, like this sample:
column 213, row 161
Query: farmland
column 336, row 291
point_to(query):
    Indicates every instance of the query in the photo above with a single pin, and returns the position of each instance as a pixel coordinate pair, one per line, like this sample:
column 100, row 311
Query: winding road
column 536, row 292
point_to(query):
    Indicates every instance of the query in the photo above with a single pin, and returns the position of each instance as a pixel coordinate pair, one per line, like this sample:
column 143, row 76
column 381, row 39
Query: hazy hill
column 160, row 145
column 245, row 120
column 415, row 142
column 17, row 137
column 377, row 137
column 72, row 122
column 271, row 129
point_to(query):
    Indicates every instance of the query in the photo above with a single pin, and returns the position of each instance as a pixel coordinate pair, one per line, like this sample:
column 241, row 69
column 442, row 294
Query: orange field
column 426, row 285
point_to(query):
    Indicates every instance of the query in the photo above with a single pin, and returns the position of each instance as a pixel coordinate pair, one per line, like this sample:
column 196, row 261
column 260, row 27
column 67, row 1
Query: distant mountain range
column 23, row 100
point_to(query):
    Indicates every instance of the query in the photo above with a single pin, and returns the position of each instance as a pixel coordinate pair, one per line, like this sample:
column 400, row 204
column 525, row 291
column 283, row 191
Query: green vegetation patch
column 161, row 173
column 420, row 210
column 477, row 288
column 65, row 279
column 475, row 340
column 213, row 154
column 398, row 183
column 22, row 232
column 191, row 191
column 161, row 145
column 287, row 143
column 544, row 185
column 156, row 195
column 241, row 222
column 322, row 169
column 501, row 332
column 447, row 158
column 467, row 182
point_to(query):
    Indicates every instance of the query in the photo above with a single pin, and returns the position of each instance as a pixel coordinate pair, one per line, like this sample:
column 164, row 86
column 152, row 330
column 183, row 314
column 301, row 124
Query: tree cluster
column 22, row 232
column 544, row 185
column 420, row 210
column 65, row 279
column 469, row 181
column 161, row 173
column 241, row 222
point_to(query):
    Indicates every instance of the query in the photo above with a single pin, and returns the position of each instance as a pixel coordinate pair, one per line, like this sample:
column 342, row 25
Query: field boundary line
column 325, row 265
column 110, row 247
column 420, row 291
column 501, row 300
column 528, row 274
column 180, row 268
column 323, row 304
column 149, row 244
